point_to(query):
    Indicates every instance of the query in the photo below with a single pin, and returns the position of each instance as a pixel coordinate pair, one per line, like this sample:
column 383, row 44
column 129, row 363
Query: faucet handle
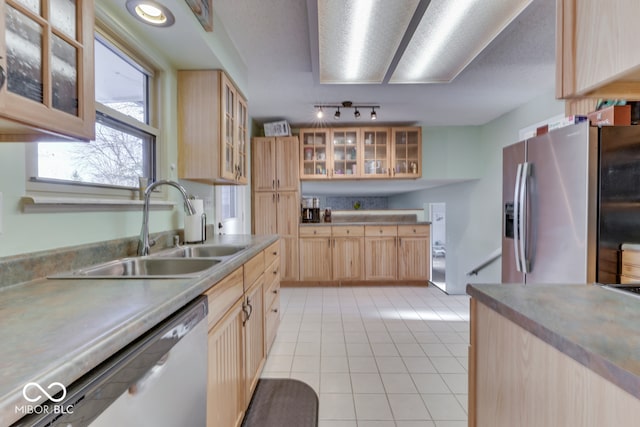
column 176, row 240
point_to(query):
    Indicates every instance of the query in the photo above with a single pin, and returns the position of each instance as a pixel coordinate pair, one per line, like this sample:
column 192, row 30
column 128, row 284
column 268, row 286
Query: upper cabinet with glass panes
column 213, row 128
column 46, row 69
column 361, row 153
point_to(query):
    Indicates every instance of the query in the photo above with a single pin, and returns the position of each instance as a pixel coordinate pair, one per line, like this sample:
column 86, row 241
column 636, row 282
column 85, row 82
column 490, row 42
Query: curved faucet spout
column 144, row 244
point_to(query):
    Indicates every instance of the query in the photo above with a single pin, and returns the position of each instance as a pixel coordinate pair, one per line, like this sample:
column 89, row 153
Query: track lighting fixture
column 345, row 104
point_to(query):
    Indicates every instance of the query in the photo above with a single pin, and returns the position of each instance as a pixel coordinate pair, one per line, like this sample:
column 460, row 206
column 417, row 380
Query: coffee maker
column 310, row 209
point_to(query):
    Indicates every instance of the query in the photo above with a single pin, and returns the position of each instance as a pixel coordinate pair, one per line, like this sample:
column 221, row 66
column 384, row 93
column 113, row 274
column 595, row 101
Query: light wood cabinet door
column 345, row 149
column 376, row 153
column 315, row 258
column 212, row 128
column 225, row 384
column 406, row 153
column 47, row 70
column 413, row 258
column 286, row 163
column 381, row 255
column 265, row 220
column 288, row 212
column 289, row 269
column 315, row 153
column 254, row 347
column 588, row 29
column 348, row 258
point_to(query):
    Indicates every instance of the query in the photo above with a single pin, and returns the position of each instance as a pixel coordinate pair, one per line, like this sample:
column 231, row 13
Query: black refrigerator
column 619, row 198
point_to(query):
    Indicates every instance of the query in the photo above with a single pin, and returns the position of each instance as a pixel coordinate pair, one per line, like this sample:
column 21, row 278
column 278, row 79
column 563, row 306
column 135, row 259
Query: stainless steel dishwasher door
column 159, row 380
column 171, row 394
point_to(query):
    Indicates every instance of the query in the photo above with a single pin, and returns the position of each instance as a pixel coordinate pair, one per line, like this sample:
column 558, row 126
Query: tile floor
column 376, row 356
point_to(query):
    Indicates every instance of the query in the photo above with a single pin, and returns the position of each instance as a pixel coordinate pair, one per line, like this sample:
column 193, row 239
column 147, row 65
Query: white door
column 229, row 209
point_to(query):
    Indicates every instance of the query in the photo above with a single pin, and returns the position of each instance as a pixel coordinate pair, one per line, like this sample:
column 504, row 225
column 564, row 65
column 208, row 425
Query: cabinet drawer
column 380, row 230
column 223, row 295
column 253, row 269
column 272, row 321
column 630, row 257
column 271, row 253
column 272, row 272
column 632, row 271
column 310, row 231
column 271, row 292
column 347, row 230
column 413, row 230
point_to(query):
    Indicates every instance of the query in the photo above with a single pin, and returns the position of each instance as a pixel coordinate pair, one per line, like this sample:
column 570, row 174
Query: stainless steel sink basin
column 202, row 251
column 144, row 267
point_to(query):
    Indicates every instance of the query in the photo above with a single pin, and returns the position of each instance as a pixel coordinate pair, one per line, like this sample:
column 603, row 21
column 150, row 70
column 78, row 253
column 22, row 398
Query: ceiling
column 277, row 40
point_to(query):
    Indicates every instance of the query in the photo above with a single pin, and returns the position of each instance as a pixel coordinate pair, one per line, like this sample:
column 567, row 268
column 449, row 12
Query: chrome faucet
column 144, row 244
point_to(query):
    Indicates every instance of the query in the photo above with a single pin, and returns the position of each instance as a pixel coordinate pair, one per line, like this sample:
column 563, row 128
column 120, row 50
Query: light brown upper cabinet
column 596, row 53
column 212, row 128
column 46, row 70
column 315, row 153
column 275, row 163
column 406, row 154
column 361, row 153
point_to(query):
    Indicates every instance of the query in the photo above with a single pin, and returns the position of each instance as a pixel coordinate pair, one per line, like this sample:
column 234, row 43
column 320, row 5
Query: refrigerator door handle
column 516, row 219
column 526, row 172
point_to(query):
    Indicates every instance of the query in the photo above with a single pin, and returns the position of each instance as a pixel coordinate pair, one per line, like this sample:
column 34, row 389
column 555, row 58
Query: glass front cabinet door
column 46, row 69
column 344, row 153
column 376, row 146
column 315, row 154
column 407, row 153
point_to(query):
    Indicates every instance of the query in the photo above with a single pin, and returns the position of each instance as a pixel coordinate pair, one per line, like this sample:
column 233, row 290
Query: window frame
column 83, row 190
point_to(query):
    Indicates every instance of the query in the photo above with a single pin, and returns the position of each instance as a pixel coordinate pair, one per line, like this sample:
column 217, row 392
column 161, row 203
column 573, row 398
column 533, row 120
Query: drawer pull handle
column 275, row 292
column 314, row 231
column 414, row 230
column 275, row 310
column 275, row 271
column 275, row 253
column 348, row 231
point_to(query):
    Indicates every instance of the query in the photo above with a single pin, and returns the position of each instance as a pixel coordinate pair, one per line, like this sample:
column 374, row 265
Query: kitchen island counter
column 596, row 327
column 57, row 330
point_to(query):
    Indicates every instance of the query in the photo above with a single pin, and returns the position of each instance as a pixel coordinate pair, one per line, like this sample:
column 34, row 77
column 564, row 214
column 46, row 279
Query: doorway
column 229, row 209
column 437, row 214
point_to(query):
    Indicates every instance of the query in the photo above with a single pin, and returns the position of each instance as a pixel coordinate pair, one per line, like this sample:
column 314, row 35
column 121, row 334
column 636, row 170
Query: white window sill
column 76, row 204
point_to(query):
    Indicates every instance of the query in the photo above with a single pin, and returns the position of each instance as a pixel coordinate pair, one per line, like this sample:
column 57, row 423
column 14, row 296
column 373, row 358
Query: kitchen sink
column 201, row 251
column 143, row 267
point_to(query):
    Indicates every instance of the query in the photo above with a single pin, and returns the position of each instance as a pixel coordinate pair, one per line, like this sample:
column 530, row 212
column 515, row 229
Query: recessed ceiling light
column 150, row 12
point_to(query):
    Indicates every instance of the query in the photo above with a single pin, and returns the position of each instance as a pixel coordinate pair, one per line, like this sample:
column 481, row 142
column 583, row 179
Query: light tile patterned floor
column 376, row 356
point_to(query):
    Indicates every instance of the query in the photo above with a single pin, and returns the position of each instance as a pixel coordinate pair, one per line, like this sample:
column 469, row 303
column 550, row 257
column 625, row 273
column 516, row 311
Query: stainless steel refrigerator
column 549, row 195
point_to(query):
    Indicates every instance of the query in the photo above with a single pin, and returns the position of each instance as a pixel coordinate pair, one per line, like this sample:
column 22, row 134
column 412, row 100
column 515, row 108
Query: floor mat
column 282, row 402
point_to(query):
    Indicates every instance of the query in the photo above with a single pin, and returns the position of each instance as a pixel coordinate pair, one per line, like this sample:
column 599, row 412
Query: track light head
column 373, row 114
column 320, row 114
column 356, row 113
column 337, row 114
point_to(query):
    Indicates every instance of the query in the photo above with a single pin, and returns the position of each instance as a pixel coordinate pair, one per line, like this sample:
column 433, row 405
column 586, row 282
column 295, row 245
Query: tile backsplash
column 346, row 203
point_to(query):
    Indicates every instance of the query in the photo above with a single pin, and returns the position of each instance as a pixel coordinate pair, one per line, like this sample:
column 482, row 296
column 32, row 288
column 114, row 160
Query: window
column 125, row 144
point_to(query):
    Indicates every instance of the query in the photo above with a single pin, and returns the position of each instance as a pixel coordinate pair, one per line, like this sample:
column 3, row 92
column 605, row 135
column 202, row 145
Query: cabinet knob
column 275, row 292
column 275, row 271
column 275, row 253
column 275, row 310
column 348, row 231
column 414, row 230
column 314, row 231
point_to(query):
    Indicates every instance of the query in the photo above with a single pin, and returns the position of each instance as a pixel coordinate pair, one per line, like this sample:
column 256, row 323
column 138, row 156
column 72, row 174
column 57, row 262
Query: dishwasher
column 159, row 380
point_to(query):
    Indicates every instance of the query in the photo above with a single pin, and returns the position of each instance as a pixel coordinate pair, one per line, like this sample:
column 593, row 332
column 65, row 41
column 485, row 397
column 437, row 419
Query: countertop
column 373, row 223
column 597, row 327
column 60, row 329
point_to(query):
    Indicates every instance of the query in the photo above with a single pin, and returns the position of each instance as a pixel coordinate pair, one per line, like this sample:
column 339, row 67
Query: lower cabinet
column 380, row 252
column 226, row 396
column 315, row 253
column 254, row 350
column 242, row 324
column 414, row 258
column 356, row 253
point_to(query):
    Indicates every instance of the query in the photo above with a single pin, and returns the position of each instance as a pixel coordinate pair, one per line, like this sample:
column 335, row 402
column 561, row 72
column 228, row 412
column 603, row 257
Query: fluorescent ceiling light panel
column 359, row 38
column 450, row 35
